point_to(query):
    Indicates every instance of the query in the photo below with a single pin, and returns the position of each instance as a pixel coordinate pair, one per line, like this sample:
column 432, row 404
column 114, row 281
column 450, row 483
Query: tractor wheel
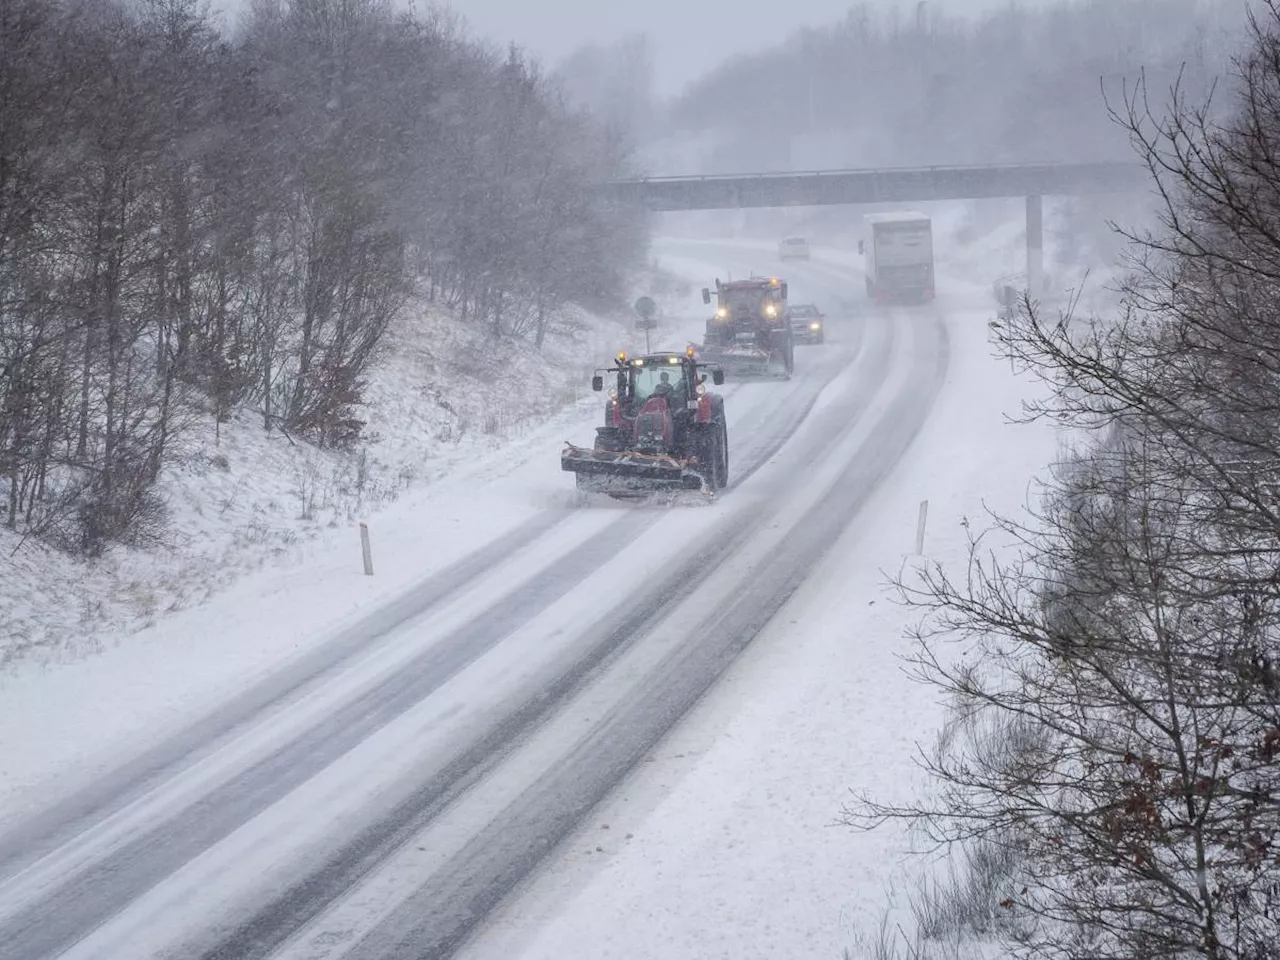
column 710, row 451
column 789, row 355
column 722, row 460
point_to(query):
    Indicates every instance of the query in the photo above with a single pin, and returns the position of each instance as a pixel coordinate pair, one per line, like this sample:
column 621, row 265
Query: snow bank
column 241, row 499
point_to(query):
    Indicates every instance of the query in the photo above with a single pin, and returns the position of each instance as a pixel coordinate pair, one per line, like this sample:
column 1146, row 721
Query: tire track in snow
column 75, row 905
column 509, row 848
column 63, row 821
column 435, row 921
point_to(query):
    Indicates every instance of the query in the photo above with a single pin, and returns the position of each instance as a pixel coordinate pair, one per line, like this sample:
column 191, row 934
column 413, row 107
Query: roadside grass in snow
column 947, row 910
column 946, row 904
column 890, row 942
column 965, row 899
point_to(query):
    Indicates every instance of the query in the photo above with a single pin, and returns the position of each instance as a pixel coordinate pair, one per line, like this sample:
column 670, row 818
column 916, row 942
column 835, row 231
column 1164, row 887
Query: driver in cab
column 670, row 392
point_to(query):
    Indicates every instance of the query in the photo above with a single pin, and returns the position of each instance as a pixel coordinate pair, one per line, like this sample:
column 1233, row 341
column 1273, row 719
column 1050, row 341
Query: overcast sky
column 689, row 36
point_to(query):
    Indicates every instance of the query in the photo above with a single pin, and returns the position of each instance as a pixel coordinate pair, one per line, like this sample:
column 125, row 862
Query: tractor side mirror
column 706, row 295
column 784, row 291
column 717, row 377
column 861, row 248
column 597, row 383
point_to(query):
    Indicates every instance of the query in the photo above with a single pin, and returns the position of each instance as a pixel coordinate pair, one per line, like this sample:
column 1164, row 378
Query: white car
column 793, row 248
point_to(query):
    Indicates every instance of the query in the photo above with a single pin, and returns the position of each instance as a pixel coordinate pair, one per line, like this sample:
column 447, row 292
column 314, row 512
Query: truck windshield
column 743, row 299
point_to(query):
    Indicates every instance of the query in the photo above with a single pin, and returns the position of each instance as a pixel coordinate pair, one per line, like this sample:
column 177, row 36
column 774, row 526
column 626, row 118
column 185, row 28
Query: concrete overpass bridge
column 1034, row 181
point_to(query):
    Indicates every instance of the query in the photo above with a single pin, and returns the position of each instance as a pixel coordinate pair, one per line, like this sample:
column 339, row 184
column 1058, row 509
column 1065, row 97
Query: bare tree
column 188, row 225
column 1118, row 678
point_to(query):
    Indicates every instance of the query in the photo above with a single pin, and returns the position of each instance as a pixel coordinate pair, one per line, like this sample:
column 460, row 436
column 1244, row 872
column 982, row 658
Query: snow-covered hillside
column 444, row 394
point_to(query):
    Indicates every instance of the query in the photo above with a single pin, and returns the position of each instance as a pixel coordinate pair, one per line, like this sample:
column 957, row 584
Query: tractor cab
column 673, row 378
column 758, row 303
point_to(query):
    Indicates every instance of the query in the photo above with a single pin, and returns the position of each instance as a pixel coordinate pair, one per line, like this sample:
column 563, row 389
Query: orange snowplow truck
column 749, row 335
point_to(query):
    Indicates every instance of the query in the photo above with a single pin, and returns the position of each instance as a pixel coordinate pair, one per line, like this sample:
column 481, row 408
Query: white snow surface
column 723, row 843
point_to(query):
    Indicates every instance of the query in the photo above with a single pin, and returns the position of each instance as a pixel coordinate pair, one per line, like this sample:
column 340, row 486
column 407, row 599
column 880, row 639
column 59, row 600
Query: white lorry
column 898, row 248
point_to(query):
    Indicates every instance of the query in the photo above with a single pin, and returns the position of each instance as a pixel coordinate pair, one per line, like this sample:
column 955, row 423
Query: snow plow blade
column 626, row 470
column 745, row 363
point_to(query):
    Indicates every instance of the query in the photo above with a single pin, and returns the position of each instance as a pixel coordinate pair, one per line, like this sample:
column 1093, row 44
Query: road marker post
column 920, row 522
column 365, row 550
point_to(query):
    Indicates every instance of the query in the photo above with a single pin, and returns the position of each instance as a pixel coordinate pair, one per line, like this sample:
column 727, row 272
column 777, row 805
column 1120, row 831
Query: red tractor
column 662, row 429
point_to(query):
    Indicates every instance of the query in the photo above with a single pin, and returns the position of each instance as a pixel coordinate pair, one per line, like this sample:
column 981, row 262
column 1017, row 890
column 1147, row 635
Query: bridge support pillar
column 1035, row 245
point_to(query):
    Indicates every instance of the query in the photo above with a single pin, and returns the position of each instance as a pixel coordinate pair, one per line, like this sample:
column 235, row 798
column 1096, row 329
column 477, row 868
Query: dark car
column 808, row 325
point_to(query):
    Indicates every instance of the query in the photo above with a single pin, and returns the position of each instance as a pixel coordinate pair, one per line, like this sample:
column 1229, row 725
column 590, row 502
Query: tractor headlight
column 722, row 313
column 771, row 311
column 815, row 325
column 702, row 389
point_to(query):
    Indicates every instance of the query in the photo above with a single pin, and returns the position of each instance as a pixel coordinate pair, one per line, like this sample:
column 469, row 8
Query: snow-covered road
column 380, row 795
